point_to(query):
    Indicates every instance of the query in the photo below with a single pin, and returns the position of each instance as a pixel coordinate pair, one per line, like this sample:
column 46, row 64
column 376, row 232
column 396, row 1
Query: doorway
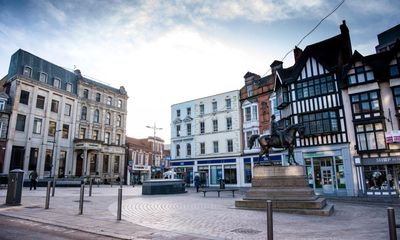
column 79, row 165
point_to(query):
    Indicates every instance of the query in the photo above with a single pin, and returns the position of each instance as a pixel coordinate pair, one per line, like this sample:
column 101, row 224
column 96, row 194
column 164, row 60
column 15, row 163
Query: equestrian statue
column 278, row 139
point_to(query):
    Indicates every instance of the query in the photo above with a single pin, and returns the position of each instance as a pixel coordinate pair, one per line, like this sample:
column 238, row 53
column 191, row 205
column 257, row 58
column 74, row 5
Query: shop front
column 139, row 173
column 184, row 170
column 379, row 176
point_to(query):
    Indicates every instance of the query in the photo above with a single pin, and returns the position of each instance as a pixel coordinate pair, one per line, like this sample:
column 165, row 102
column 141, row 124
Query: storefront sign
column 319, row 154
column 381, row 161
column 393, row 136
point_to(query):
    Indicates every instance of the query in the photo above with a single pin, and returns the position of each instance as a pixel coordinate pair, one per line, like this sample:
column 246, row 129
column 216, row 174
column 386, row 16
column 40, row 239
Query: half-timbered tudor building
column 371, row 87
column 309, row 93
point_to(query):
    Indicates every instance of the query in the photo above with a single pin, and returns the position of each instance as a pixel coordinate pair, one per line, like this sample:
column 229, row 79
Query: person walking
column 33, row 176
column 197, row 182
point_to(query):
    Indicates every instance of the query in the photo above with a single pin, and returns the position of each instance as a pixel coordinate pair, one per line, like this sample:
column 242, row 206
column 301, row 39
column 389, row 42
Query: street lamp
column 155, row 128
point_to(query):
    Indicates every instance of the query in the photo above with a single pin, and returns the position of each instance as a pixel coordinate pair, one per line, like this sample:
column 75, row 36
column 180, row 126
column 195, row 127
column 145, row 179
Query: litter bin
column 14, row 188
column 222, row 183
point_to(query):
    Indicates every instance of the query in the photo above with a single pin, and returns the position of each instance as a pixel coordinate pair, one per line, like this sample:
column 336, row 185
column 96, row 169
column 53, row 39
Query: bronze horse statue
column 285, row 139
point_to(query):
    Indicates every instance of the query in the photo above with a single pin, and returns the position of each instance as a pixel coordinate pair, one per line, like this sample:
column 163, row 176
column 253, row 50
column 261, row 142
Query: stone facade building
column 48, row 131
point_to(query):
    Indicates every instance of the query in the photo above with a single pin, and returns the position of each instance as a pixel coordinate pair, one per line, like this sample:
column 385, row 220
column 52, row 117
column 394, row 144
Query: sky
column 167, row 52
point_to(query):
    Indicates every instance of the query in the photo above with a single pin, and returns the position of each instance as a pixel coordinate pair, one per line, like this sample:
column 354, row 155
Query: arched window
column 108, row 118
column 178, row 148
column 83, row 113
column 96, row 116
column 188, row 149
column 119, row 121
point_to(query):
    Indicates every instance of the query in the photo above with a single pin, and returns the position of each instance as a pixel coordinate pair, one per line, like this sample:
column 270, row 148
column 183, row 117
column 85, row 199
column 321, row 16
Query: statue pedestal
column 288, row 189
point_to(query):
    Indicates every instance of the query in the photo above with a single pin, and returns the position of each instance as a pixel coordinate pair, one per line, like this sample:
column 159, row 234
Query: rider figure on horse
column 275, row 130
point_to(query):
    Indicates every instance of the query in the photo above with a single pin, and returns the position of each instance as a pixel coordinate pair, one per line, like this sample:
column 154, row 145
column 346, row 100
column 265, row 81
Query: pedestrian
column 197, row 182
column 33, row 176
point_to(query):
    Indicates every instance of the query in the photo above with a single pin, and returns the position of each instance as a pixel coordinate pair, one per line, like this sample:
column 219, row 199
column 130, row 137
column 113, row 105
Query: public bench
column 219, row 190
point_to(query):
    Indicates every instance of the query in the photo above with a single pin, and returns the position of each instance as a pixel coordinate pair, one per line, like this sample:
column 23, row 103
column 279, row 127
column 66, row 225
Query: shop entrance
column 327, row 181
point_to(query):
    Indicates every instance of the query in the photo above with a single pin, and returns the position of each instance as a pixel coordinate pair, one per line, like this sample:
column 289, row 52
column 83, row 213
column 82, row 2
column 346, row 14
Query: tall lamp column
column 155, row 128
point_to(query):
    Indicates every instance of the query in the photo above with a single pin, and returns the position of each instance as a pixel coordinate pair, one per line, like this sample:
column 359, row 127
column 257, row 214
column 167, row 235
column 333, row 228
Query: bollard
column 119, row 210
column 120, row 183
column 54, row 187
column 46, row 206
column 81, row 199
column 392, row 223
column 270, row 235
column 90, row 188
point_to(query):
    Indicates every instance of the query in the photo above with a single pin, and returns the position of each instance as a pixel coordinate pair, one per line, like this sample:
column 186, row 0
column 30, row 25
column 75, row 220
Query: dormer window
column 69, row 87
column 57, row 82
column 27, row 71
column 85, row 93
column 43, row 77
column 361, row 75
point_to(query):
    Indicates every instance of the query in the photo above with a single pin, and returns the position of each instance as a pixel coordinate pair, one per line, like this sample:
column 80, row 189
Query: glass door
column 326, row 179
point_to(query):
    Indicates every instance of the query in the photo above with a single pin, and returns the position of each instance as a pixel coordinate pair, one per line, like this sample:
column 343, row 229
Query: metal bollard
column 54, row 187
column 46, row 206
column 270, row 235
column 392, row 223
column 90, row 188
column 81, row 199
column 119, row 210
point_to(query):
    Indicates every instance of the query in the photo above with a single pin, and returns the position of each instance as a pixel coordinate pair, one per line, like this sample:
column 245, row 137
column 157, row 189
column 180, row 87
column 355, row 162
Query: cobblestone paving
column 216, row 218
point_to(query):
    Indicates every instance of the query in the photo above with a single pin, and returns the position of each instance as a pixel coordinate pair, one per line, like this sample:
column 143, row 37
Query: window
column 116, row 164
column 228, row 123
column 85, row 93
column 214, row 106
column 189, row 129
column 202, row 148
column 98, row 97
column 108, row 118
column 37, row 126
column 118, row 139
column 248, row 135
column 67, row 110
column 370, row 136
column 318, row 123
column 188, row 111
column 228, row 104
column 202, row 128
column 215, row 125
column 201, row 109
column 361, row 75
column 48, row 160
column 54, row 106
column 82, row 133
column 247, row 114
column 69, row 87
column 105, row 163
column 255, row 114
column 33, row 157
column 366, row 105
column 65, row 131
column 249, row 90
column 20, row 126
column 178, row 130
column 57, row 82
column 2, row 104
column 119, row 104
column 215, row 146
column 178, row 149
column 119, row 122
column 395, row 70
column 61, row 165
column 178, row 113
column 27, row 71
column 83, row 113
column 95, row 135
column 230, row 174
column 43, row 77
column 96, row 116
column 109, row 101
column 230, row 145
column 188, row 149
column 396, row 96
column 107, row 137
column 315, row 87
column 52, row 128
column 24, row 97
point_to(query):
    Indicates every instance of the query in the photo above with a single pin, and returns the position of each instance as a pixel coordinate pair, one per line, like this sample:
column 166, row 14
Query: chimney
column 275, row 65
column 346, row 42
column 297, row 53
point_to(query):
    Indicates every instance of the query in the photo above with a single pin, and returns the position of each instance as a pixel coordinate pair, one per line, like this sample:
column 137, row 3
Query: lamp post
column 54, row 162
column 155, row 128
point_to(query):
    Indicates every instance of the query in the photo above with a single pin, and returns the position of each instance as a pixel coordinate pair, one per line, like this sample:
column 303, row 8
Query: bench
column 218, row 190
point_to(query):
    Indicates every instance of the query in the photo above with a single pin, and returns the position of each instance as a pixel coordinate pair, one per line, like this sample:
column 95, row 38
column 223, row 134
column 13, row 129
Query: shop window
column 375, row 178
column 370, row 136
column 215, row 174
column 230, row 174
column 396, row 96
column 247, row 173
column 340, row 176
column 315, row 87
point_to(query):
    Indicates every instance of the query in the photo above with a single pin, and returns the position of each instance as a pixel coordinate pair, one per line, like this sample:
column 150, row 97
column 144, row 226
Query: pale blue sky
column 166, row 52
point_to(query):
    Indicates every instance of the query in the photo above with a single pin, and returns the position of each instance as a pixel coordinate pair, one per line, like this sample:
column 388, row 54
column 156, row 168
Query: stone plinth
column 163, row 186
column 288, row 189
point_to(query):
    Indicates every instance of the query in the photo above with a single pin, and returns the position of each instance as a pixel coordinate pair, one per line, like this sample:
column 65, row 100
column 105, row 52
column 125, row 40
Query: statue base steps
column 287, row 188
